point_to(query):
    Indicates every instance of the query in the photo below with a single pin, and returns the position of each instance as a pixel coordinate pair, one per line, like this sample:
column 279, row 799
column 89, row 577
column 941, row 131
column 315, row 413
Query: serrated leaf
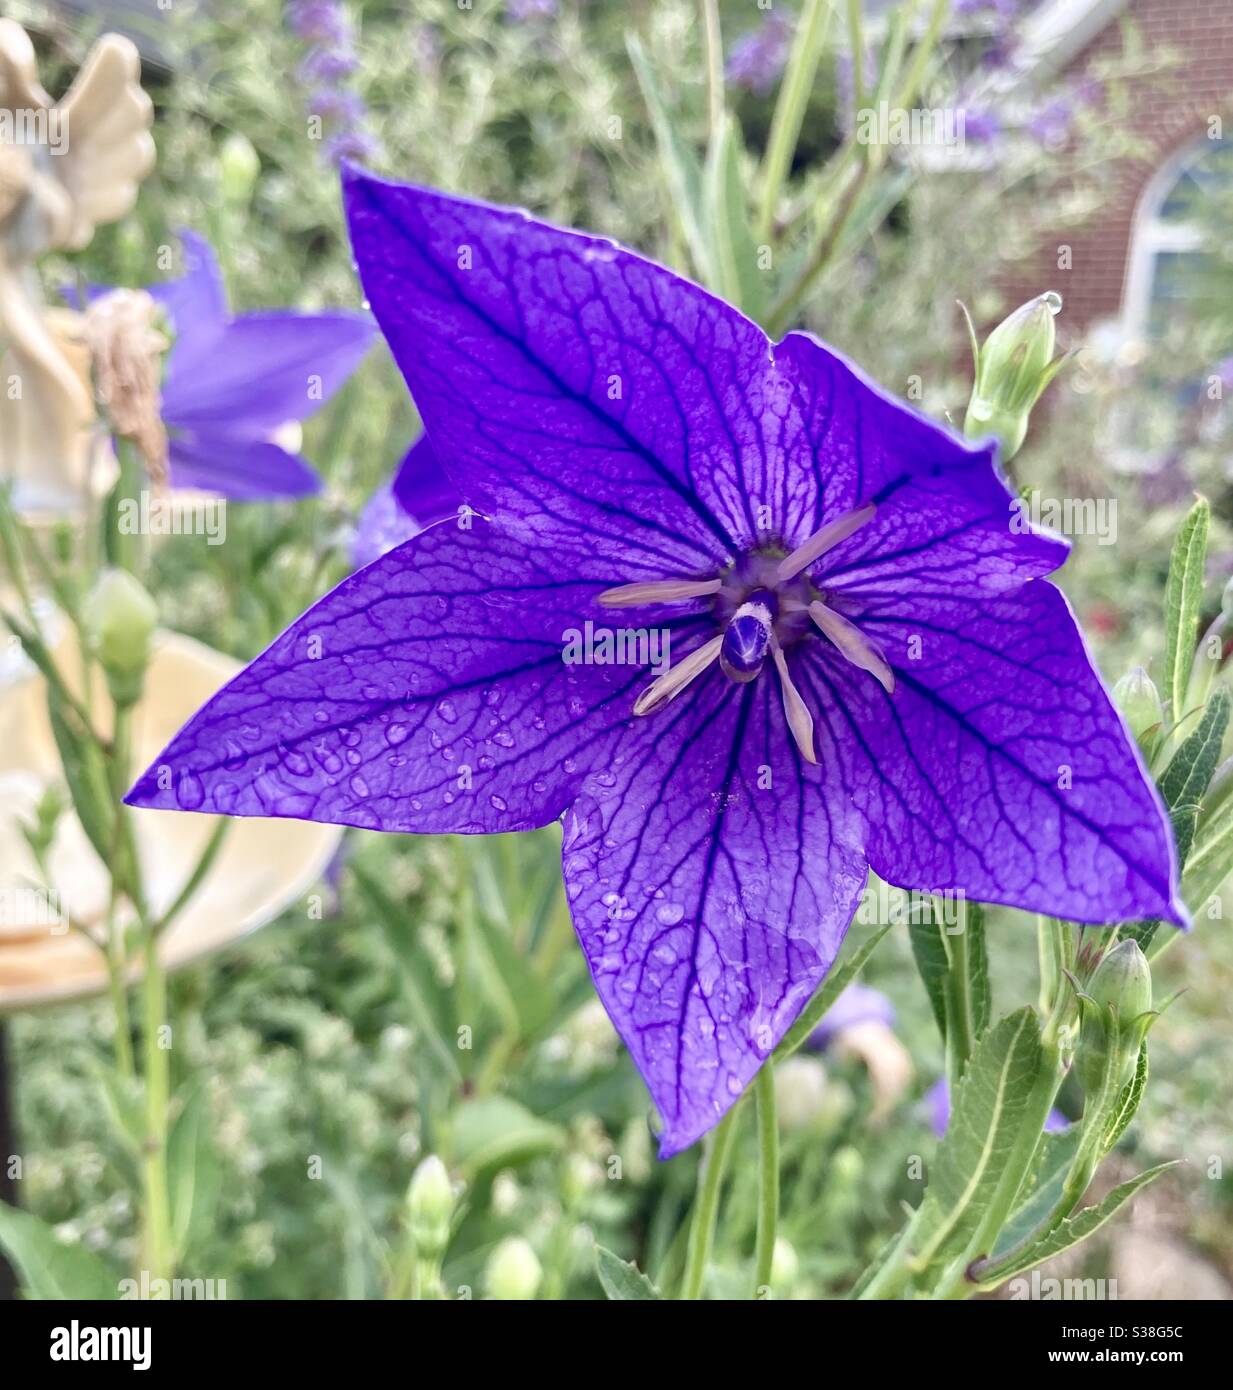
column 496, row 1132
column 192, row 1170
column 1183, row 598
column 978, row 961
column 929, row 953
column 1183, row 785
column 681, row 170
column 735, row 263
column 835, row 983
column 1128, row 1102
column 622, row 1279
column 47, row 1267
column 1211, row 858
column 1075, row 1229
column 987, row 1111
column 1186, row 778
column 1044, row 1189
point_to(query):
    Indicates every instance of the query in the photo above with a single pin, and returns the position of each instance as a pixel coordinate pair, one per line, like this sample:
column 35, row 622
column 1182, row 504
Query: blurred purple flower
column 417, row 495
column 331, row 60
column 1005, row 8
column 856, row 1004
column 523, row 11
column 757, row 59
column 350, row 146
column 981, row 126
column 318, row 21
column 937, row 1107
column 232, row 380
column 328, row 65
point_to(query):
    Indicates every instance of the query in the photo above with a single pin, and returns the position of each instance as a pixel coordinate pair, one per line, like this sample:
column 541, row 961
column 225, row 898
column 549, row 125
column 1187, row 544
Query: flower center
column 764, row 605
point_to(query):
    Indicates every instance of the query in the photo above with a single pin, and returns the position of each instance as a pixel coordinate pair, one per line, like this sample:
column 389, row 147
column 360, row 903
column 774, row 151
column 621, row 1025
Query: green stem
column 768, row 1176
column 960, row 1009
column 790, row 109
column 157, row 1254
column 706, row 1206
column 896, row 1269
column 714, row 66
column 117, row 987
column 193, row 882
column 856, row 42
column 954, row 1282
column 838, row 222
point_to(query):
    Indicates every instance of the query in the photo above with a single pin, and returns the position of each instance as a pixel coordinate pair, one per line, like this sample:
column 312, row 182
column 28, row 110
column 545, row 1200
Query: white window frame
column 1151, row 236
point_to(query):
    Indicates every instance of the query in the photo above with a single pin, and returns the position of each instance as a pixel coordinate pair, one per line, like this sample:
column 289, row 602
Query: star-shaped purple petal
column 231, row 381
column 643, row 472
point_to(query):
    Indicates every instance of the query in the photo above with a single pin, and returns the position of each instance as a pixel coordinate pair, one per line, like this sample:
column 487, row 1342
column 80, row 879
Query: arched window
column 1164, row 271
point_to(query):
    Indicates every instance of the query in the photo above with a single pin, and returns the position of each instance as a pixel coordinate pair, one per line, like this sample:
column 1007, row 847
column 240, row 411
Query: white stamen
column 657, row 591
column 676, row 678
column 853, row 644
column 821, row 541
column 800, row 721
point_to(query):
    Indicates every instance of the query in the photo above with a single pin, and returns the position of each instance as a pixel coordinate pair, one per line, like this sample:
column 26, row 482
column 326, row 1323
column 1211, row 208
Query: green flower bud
column 1012, row 370
column 430, row 1204
column 1138, row 699
column 513, row 1271
column 120, row 618
column 1115, row 1014
column 239, row 165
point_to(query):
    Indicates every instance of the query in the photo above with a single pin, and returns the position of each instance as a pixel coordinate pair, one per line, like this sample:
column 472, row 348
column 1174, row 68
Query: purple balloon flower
column 857, row 1003
column 231, row 381
column 417, row 495
column 855, row 659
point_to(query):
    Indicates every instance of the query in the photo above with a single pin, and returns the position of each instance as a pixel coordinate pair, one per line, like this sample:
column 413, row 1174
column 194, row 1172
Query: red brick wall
column 1170, row 110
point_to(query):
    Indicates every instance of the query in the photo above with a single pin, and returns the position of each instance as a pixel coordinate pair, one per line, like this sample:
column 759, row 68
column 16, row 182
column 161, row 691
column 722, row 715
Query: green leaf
column 426, row 1001
column 830, row 989
column 978, row 961
column 735, row 266
column 1043, row 1189
column 986, row 1115
column 495, row 1132
column 1073, row 1230
column 1188, row 774
column 48, row 1268
column 192, row 1170
column 1211, row 858
column 1183, row 597
column 929, row 952
column 677, row 162
column 1183, row 785
column 521, row 997
column 85, row 771
column 1128, row 1102
column 622, row 1279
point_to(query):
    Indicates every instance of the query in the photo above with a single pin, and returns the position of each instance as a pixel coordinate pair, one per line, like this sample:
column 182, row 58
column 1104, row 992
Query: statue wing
column 107, row 119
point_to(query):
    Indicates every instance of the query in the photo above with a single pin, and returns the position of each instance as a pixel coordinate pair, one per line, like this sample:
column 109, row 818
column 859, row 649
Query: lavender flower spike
column 613, row 426
column 231, row 381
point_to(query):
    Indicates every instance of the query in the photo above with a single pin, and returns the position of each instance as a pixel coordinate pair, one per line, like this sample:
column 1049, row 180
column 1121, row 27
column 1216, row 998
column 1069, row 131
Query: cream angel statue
column 65, row 168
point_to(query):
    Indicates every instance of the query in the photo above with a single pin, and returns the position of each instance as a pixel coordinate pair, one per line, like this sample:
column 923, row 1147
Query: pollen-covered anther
column 657, row 591
column 800, row 721
column 676, row 678
column 853, row 644
column 823, row 540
